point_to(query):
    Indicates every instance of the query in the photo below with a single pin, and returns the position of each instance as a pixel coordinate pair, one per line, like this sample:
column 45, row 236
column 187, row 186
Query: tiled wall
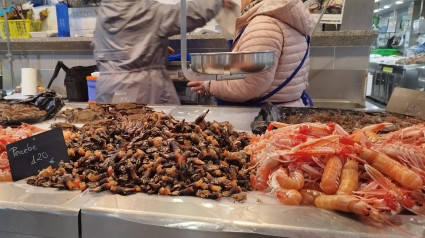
column 45, row 62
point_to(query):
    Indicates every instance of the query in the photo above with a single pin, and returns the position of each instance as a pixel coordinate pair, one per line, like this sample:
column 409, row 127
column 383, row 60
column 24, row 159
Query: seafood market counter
column 35, row 212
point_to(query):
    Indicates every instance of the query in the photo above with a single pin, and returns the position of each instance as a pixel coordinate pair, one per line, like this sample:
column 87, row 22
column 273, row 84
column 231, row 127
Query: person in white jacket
column 130, row 45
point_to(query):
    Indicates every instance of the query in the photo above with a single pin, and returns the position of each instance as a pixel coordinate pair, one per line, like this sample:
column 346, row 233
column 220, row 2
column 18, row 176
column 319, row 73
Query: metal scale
column 223, row 65
column 220, row 65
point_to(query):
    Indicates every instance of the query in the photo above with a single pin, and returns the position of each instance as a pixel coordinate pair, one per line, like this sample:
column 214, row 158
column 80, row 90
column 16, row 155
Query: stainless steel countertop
column 31, row 211
column 260, row 214
column 28, row 211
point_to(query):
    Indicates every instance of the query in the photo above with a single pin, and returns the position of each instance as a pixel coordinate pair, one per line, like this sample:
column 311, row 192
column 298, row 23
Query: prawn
column 399, row 195
column 371, row 131
column 316, row 147
column 289, row 180
column 309, row 195
column 410, row 135
column 330, row 177
column 265, row 168
column 348, row 203
column 316, row 129
column 411, row 155
column 390, row 167
column 349, row 178
column 288, row 196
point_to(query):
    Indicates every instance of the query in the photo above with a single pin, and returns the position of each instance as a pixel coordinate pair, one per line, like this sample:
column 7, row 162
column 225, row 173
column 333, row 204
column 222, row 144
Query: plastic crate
column 384, row 52
column 19, row 28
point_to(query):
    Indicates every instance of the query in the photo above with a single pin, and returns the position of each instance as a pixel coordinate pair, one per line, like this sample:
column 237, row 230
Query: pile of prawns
column 9, row 135
column 372, row 175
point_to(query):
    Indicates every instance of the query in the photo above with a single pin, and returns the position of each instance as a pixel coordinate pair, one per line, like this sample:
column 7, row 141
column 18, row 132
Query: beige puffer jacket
column 279, row 25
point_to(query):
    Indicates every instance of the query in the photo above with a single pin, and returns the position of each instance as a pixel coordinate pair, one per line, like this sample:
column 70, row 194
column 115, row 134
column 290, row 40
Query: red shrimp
column 390, row 167
column 331, row 175
column 288, row 196
column 289, row 180
column 349, row 178
column 260, row 179
column 411, row 155
column 309, row 195
column 399, row 195
column 348, row 203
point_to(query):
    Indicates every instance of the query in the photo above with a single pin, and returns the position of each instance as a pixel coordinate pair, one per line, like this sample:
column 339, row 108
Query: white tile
column 352, row 58
column 42, row 60
column 86, row 58
column 322, row 57
column 21, row 60
column 58, row 82
column 69, row 58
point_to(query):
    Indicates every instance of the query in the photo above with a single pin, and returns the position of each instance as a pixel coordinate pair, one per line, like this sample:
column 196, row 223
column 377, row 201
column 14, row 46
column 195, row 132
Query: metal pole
column 183, row 48
column 9, row 53
column 183, row 43
column 320, row 17
column 190, row 75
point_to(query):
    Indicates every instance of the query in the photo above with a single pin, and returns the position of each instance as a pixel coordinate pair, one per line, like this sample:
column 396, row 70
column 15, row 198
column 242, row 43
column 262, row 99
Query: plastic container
column 20, row 28
column 63, row 19
column 384, row 52
column 91, row 86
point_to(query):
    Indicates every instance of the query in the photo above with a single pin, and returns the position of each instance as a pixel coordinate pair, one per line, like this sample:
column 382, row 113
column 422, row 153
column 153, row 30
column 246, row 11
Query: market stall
column 187, row 172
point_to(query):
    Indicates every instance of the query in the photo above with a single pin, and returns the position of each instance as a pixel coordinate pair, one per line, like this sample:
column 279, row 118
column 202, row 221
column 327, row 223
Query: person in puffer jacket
column 279, row 25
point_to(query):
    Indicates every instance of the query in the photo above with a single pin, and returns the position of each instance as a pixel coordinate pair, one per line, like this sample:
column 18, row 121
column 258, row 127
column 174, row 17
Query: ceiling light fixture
column 386, row 6
column 376, row 0
column 399, row 2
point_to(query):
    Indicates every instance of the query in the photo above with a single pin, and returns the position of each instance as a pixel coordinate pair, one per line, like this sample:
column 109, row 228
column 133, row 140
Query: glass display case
column 387, row 77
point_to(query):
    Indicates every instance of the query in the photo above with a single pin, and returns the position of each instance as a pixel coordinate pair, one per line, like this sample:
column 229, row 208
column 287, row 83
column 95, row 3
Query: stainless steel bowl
column 226, row 63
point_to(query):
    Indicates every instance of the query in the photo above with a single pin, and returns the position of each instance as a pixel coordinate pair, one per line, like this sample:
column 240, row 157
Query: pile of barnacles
column 153, row 153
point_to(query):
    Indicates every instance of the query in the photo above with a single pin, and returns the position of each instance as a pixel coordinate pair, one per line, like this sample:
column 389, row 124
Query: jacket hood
column 291, row 12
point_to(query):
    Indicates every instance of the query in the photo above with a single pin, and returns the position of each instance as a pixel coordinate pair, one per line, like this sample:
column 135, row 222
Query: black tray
column 349, row 119
column 46, row 101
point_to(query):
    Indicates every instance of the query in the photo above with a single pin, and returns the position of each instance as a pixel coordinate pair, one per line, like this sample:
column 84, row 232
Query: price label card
column 387, row 69
column 125, row 95
column 29, row 156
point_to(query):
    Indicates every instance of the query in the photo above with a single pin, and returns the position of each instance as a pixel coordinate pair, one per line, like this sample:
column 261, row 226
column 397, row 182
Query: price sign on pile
column 29, row 156
column 125, row 95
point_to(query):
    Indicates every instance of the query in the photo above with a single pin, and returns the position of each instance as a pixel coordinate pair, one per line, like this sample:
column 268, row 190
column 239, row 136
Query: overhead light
column 399, row 2
column 376, row 0
column 377, row 10
column 386, row 6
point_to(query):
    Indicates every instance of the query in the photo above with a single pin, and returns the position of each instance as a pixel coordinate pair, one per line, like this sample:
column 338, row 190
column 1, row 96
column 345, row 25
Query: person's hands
column 228, row 4
column 198, row 86
column 170, row 50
